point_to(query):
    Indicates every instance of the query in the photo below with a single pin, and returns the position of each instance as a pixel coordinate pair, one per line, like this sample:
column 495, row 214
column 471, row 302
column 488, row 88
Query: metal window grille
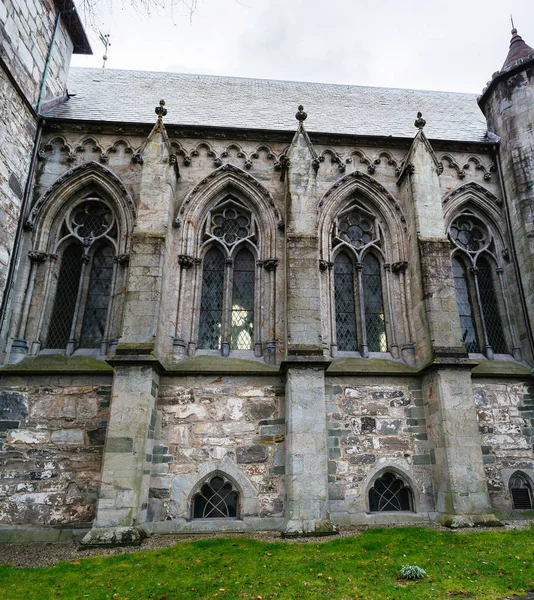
column 521, row 492
column 242, row 317
column 490, row 308
column 211, row 303
column 94, row 320
column 389, row 493
column 66, row 296
column 217, row 499
column 344, row 303
column 374, row 305
column 463, row 301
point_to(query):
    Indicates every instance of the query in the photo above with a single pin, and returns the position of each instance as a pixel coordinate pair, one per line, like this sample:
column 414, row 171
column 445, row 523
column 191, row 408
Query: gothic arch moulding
column 225, row 181
column 91, row 178
column 345, row 192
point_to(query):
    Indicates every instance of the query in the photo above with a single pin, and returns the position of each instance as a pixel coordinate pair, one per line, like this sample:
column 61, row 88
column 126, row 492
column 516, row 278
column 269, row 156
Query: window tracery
column 216, row 499
column 360, row 319
column 475, row 275
column 228, row 280
column 86, row 251
column 390, row 493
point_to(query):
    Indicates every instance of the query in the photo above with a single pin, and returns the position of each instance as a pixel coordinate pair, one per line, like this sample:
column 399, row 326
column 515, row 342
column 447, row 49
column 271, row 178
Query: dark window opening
column 217, row 499
column 389, row 493
column 490, row 308
column 521, row 492
column 465, row 310
column 211, row 302
column 375, row 323
column 344, row 301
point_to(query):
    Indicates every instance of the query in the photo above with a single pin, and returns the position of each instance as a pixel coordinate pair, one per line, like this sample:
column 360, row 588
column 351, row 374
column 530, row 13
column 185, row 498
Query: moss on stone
column 218, row 364
column 57, row 363
column 501, row 368
column 370, row 366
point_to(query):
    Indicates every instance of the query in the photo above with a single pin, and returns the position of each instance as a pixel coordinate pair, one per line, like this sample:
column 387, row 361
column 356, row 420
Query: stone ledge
column 501, row 368
column 370, row 366
column 210, row 364
column 56, row 364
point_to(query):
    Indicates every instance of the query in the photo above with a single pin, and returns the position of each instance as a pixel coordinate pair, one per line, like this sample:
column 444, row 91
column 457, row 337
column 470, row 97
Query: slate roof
column 206, row 100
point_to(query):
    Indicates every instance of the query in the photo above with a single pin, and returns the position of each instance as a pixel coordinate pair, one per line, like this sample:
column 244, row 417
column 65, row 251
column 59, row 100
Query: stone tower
column 508, row 105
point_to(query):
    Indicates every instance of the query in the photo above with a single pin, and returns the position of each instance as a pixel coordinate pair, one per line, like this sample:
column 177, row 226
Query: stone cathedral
column 258, row 305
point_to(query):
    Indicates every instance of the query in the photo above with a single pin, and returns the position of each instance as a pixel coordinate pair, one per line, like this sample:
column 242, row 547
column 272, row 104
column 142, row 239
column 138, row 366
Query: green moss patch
column 57, row 363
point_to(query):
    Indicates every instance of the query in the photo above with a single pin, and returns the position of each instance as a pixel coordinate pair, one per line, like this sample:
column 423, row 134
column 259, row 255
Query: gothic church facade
column 219, row 315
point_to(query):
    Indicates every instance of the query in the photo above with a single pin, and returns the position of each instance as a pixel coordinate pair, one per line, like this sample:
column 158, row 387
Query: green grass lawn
column 484, row 565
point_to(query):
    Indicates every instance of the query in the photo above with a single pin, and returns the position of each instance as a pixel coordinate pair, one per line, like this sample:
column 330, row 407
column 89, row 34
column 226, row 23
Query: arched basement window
column 216, row 499
column 521, row 492
column 389, row 493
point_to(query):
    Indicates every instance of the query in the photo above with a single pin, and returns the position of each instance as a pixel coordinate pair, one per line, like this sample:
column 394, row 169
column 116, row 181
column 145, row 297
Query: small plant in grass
column 412, row 572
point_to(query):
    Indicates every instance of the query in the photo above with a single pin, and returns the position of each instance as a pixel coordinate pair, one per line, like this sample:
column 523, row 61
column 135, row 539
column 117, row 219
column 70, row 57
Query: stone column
column 458, row 473
column 306, row 458
column 123, row 497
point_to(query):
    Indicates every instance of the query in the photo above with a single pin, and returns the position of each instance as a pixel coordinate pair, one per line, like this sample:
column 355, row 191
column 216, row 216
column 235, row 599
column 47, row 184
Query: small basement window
column 216, row 499
column 521, row 492
column 389, row 493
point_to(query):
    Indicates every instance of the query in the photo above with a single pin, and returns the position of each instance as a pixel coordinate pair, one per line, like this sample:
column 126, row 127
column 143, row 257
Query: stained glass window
column 96, row 308
column 390, row 494
column 374, row 305
column 463, row 300
column 66, row 296
column 211, row 304
column 490, row 307
column 243, row 301
column 217, row 499
column 344, row 302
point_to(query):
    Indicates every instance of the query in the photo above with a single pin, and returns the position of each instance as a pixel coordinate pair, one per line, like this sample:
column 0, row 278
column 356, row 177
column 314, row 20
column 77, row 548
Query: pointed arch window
column 521, row 492
column 358, row 284
column 390, row 493
column 216, row 499
column 228, row 280
column 477, row 279
column 79, row 314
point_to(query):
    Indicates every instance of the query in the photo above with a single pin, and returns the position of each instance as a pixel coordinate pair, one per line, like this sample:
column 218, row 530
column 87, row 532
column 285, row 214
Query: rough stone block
column 251, row 454
column 363, row 459
column 67, row 436
column 13, row 406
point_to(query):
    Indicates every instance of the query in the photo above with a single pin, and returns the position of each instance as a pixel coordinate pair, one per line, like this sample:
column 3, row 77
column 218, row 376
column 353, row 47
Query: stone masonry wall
column 52, row 433
column 505, row 413
column 372, row 425
column 203, row 421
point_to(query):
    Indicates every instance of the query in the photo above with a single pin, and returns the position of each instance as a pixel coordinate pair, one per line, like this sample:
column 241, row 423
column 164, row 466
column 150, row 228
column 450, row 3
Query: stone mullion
column 364, row 349
column 393, row 324
column 488, row 350
column 74, row 326
column 35, row 259
column 332, row 309
column 197, row 284
column 226, row 329
column 104, row 345
column 185, row 263
column 259, row 293
column 516, row 349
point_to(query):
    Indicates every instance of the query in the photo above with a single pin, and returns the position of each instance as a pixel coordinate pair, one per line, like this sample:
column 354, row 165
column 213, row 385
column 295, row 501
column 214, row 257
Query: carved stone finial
column 419, row 122
column 301, row 115
column 160, row 110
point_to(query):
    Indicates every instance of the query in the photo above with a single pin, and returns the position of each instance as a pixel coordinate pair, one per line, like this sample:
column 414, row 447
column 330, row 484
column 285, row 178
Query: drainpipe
column 515, row 262
column 15, row 256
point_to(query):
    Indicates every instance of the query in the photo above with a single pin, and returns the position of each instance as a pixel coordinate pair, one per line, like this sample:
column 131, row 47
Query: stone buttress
column 123, row 499
column 306, row 454
column 460, row 488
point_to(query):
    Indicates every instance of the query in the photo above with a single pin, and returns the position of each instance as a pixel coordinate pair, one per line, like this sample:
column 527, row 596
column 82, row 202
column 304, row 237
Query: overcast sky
column 452, row 45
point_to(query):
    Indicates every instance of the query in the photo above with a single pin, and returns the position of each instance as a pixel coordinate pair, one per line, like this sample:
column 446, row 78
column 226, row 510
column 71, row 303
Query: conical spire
column 518, row 49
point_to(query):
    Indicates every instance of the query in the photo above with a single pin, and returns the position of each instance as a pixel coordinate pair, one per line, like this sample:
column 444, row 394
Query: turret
column 508, row 105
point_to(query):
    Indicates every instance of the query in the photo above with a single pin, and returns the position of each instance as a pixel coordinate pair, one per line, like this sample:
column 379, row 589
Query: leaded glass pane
column 96, row 308
column 374, row 305
column 344, row 301
column 211, row 304
column 66, row 296
column 490, row 308
column 216, row 500
column 469, row 233
column 91, row 220
column 465, row 311
column 243, row 301
column 389, row 494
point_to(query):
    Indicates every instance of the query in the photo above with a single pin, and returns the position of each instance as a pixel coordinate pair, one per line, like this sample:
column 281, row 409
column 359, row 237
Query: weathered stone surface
column 13, row 405
column 251, row 454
